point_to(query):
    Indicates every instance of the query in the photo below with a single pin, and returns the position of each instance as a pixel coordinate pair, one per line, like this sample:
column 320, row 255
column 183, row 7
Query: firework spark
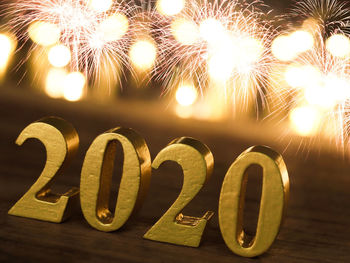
column 324, row 80
column 314, row 87
column 222, row 41
column 330, row 15
column 96, row 32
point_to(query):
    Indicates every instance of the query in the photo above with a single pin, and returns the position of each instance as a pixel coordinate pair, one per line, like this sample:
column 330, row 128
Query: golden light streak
column 318, row 79
column 328, row 16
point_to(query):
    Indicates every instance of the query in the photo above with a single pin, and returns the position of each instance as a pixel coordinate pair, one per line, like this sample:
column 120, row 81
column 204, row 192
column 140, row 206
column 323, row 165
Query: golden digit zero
column 275, row 193
column 96, row 179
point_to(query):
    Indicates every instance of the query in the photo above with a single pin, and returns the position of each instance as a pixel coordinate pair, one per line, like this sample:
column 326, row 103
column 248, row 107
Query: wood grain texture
column 316, row 229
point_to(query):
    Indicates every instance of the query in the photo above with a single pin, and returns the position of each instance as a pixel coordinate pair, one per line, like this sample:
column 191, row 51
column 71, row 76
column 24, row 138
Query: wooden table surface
column 316, row 229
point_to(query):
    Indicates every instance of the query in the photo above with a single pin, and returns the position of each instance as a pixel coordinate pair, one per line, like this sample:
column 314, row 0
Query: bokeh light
column 44, row 33
column 55, row 82
column 7, row 47
column 114, row 27
column 305, row 120
column 338, row 45
column 185, row 32
column 252, row 49
column 281, row 48
column 298, row 76
column 301, row 41
column 233, row 54
column 212, row 31
column 74, row 84
column 186, row 95
column 143, row 54
column 220, row 67
column 184, row 112
column 59, row 56
column 100, row 5
column 330, row 91
column 288, row 47
column 170, row 7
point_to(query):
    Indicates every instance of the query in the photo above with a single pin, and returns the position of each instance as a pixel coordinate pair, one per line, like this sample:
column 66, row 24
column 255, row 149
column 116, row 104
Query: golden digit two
column 61, row 142
column 197, row 163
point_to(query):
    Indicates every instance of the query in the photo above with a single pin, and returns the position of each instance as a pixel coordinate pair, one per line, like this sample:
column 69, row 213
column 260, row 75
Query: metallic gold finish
column 96, row 178
column 275, row 194
column 61, row 142
column 197, row 164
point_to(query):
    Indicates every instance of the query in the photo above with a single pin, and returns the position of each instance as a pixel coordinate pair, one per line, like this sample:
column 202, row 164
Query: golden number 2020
column 196, row 160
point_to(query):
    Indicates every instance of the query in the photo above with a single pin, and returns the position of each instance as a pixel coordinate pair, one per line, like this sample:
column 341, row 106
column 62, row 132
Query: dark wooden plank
column 317, row 227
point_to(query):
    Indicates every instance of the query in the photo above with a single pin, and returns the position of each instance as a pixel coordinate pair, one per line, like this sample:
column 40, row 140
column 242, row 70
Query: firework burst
column 95, row 34
column 222, row 41
column 317, row 93
column 330, row 15
column 313, row 87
